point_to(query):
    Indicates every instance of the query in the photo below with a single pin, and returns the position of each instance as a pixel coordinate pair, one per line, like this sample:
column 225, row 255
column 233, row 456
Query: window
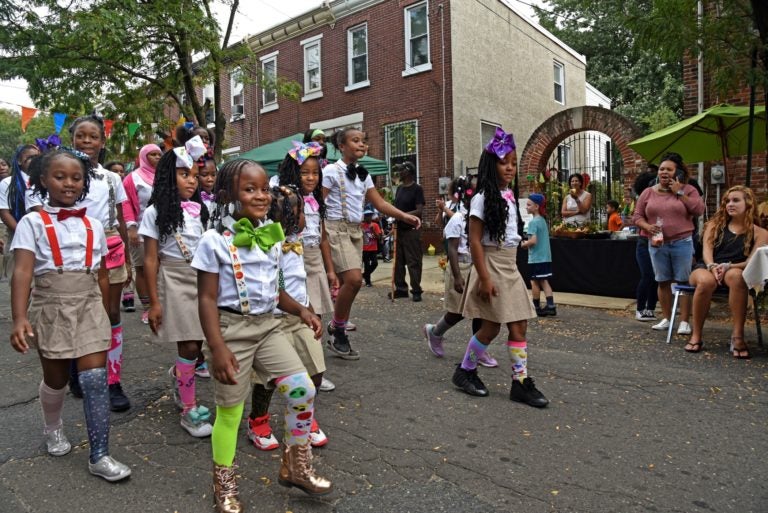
column 487, row 131
column 268, row 82
column 559, row 70
column 357, row 57
column 416, row 39
column 312, row 75
column 210, row 111
column 236, row 92
column 401, row 142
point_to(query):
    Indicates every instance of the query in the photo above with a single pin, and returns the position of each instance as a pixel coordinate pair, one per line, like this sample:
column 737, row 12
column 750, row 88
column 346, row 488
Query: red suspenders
column 54, row 242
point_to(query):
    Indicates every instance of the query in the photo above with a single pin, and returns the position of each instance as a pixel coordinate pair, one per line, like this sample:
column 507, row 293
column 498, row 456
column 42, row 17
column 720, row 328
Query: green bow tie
column 246, row 236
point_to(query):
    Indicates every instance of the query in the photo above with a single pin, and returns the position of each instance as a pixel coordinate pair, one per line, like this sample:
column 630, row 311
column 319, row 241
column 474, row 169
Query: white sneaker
column 649, row 315
column 640, row 316
column 662, row 326
column 195, row 421
column 316, row 436
column 684, row 328
column 327, row 385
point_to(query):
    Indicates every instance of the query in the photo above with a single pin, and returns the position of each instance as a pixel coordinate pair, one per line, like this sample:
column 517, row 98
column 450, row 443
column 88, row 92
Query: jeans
column 647, row 291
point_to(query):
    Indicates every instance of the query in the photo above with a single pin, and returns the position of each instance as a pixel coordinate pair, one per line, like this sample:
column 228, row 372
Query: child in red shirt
column 371, row 236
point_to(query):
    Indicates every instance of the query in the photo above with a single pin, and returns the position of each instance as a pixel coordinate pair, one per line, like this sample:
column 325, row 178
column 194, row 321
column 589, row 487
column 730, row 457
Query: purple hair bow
column 501, row 143
column 51, row 143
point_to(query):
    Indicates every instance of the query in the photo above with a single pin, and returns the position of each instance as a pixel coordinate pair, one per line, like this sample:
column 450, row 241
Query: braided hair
column 17, row 187
column 165, row 198
column 40, row 165
column 96, row 120
column 226, row 190
column 287, row 206
column 289, row 173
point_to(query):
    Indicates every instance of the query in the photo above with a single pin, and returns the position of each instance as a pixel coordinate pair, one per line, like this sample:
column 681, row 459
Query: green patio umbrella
column 270, row 155
column 716, row 133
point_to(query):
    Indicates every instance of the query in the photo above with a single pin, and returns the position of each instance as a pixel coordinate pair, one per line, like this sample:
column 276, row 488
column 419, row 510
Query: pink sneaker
column 435, row 343
column 145, row 316
column 487, row 360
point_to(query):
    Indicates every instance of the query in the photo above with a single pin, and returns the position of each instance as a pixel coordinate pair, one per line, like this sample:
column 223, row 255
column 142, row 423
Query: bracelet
column 711, row 266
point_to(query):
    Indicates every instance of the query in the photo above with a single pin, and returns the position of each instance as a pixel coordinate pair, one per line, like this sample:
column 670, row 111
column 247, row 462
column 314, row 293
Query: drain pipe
column 700, row 97
column 441, row 8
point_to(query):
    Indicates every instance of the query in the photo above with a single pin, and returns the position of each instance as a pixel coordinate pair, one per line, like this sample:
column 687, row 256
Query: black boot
column 526, row 392
column 469, row 382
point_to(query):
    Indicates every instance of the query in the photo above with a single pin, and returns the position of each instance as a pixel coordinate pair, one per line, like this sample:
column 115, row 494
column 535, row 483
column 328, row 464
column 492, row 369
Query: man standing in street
column 410, row 199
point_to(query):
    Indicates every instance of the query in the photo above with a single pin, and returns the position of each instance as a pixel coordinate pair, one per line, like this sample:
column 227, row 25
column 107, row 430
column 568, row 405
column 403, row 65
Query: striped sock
column 339, row 323
column 144, row 302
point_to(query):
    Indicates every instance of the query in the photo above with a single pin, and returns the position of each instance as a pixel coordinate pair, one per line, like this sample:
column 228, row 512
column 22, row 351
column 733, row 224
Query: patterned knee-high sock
column 224, row 436
column 299, row 393
column 96, row 407
column 52, row 402
column 260, row 399
column 185, row 382
column 115, row 355
column 518, row 351
column 475, row 349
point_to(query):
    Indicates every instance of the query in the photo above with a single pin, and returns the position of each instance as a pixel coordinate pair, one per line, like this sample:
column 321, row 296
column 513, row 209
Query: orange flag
column 27, row 113
column 108, row 127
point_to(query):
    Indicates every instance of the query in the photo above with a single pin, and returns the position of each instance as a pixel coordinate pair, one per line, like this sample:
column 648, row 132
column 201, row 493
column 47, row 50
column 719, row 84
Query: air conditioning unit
column 237, row 110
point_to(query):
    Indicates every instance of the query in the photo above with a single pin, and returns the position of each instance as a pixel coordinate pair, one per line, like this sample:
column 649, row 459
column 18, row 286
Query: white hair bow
column 191, row 151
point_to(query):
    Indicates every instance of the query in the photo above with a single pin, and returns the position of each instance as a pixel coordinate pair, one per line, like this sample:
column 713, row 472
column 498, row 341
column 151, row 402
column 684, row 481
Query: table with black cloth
column 596, row 267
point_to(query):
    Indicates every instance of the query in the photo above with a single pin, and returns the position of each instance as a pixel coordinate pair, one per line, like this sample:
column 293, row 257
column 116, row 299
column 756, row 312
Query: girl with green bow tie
column 238, row 274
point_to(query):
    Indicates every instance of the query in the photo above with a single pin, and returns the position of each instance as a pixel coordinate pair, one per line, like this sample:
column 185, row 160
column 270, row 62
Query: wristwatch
column 680, row 192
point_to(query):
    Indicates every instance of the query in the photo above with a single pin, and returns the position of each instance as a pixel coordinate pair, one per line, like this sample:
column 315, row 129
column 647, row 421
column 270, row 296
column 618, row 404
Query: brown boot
column 225, row 493
column 296, row 470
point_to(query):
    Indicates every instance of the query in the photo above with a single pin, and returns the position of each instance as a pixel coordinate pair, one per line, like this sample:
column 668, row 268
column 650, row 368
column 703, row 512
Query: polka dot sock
column 96, row 407
column 299, row 393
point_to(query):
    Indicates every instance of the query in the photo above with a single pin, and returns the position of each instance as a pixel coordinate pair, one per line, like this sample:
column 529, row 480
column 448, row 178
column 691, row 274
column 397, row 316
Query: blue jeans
column 672, row 260
column 647, row 291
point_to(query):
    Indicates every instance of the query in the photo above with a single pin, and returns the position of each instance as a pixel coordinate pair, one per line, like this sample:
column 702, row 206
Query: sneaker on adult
column 640, row 315
column 260, row 434
column 684, row 328
column 434, row 342
column 117, row 398
column 469, row 382
column 109, row 468
column 416, row 297
column 526, row 392
column 316, row 436
column 195, row 421
column 201, row 371
column 56, row 443
column 326, row 385
column 486, row 360
column 661, row 326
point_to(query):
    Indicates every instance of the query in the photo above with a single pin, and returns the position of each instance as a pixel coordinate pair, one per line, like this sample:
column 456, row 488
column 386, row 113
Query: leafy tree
column 11, row 135
column 641, row 84
column 137, row 54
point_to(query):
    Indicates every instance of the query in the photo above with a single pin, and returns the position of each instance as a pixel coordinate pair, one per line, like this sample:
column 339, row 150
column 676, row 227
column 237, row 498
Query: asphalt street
column 634, row 425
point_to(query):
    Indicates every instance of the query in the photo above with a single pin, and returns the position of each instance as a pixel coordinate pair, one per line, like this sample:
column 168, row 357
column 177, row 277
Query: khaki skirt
column 68, row 316
column 346, row 245
column 453, row 298
column 317, row 282
column 177, row 288
column 512, row 304
column 137, row 254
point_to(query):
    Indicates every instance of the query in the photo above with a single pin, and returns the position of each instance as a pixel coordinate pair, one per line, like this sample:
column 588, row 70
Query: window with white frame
column 210, row 113
column 401, row 143
column 417, row 39
column 236, row 93
column 357, row 57
column 269, row 82
column 487, row 131
column 559, row 74
column 312, row 74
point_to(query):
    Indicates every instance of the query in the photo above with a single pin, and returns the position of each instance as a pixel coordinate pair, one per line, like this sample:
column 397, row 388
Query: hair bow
column 51, row 143
column 191, row 151
column 356, row 170
column 78, row 155
column 264, row 236
column 302, row 152
column 501, row 143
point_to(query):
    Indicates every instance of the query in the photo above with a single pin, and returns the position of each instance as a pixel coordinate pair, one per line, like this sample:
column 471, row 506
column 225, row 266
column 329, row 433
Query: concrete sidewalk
column 432, row 283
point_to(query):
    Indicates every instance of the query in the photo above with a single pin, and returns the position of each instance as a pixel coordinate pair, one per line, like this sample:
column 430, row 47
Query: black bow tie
column 356, row 170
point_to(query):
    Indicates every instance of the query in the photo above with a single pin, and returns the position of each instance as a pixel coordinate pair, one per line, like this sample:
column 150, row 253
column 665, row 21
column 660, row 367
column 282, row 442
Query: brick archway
column 557, row 128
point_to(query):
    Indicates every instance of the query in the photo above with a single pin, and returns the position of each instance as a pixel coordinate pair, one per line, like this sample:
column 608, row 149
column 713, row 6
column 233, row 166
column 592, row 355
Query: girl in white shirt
column 171, row 228
column 346, row 186
column 238, row 274
column 64, row 251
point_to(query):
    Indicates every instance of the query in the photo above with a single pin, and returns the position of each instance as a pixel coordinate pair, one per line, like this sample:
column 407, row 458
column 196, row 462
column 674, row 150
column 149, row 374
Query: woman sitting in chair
column 729, row 239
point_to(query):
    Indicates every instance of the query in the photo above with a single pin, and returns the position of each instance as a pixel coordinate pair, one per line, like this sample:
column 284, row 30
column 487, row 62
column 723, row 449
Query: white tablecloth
column 756, row 272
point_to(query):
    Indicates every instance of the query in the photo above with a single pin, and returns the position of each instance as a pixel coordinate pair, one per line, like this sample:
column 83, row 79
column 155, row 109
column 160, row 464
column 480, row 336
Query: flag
column 27, row 113
column 58, row 121
column 132, row 127
column 108, row 127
